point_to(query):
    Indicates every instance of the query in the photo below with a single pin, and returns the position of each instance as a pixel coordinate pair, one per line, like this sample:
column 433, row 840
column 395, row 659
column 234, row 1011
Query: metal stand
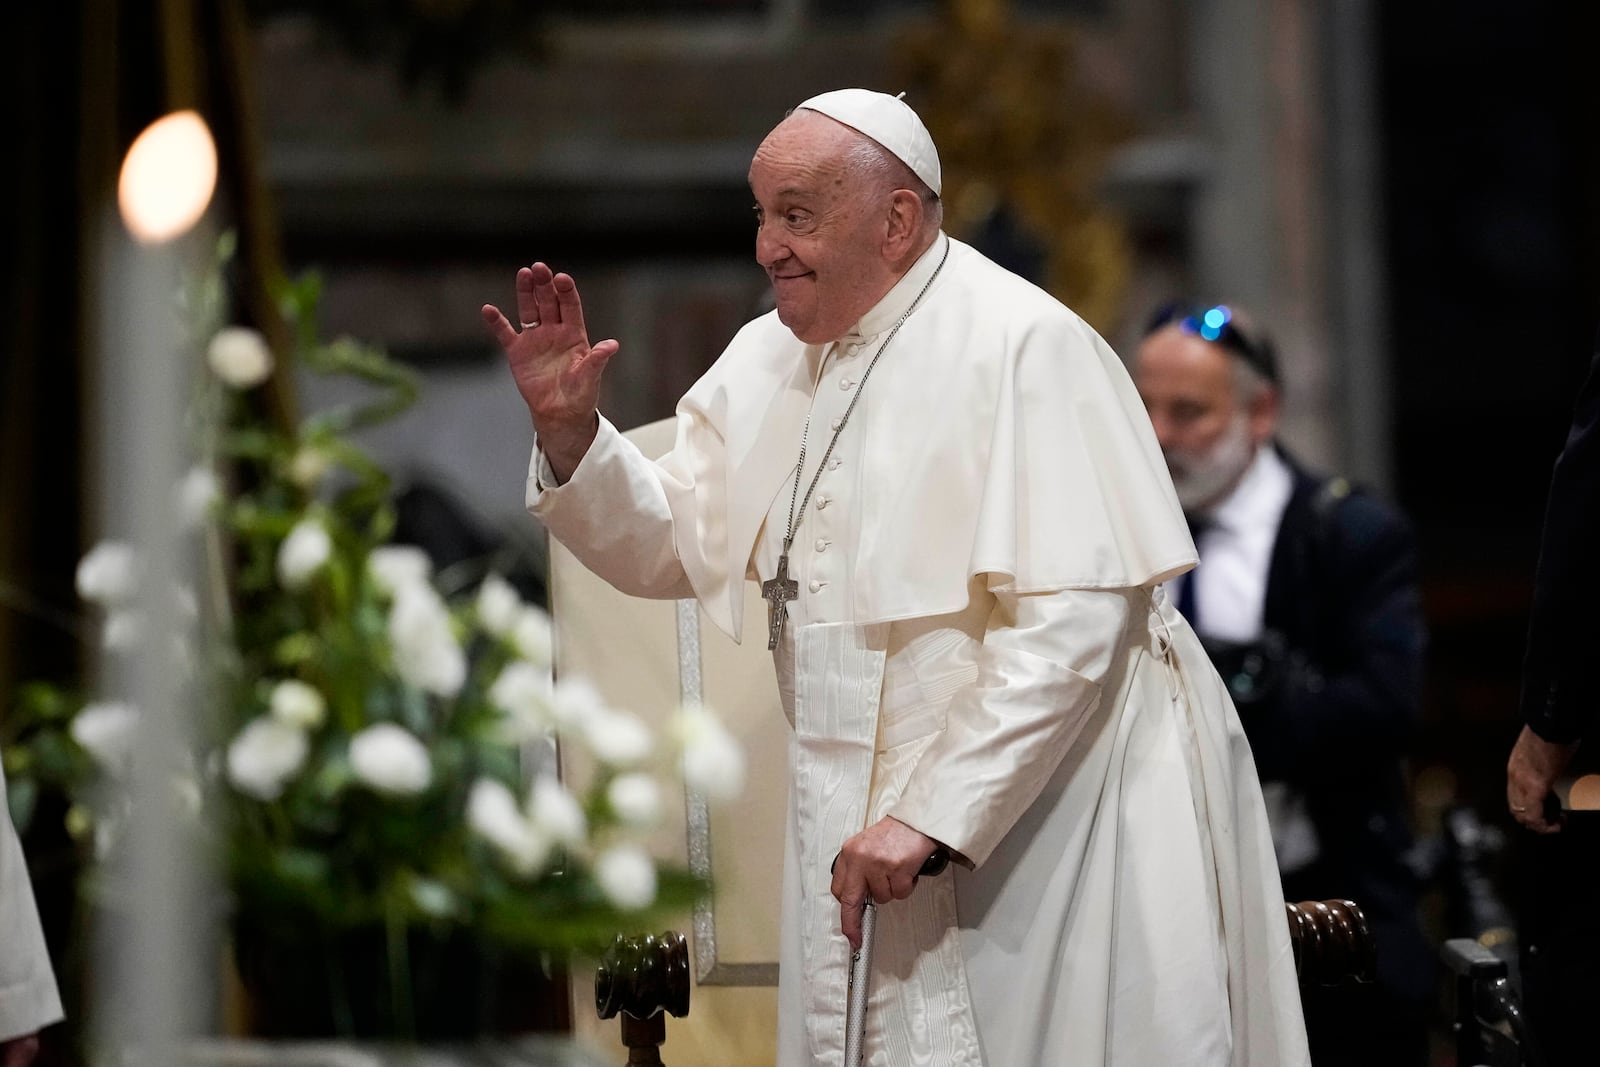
column 1489, row 1026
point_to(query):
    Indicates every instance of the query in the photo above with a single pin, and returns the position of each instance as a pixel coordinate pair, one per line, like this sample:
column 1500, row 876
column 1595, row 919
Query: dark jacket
column 1560, row 697
column 1330, row 699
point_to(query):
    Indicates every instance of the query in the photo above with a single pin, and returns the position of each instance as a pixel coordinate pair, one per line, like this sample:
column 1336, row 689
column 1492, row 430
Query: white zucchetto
column 889, row 121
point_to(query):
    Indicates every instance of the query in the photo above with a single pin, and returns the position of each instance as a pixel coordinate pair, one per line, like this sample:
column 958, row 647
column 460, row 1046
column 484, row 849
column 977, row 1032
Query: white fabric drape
column 29, row 1000
column 996, row 668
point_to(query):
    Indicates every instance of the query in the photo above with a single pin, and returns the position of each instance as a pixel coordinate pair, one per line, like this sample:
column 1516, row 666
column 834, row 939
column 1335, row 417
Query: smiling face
column 829, row 237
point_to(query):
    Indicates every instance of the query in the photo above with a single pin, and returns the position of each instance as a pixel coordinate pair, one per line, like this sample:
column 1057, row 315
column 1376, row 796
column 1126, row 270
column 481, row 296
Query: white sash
column 919, row 1014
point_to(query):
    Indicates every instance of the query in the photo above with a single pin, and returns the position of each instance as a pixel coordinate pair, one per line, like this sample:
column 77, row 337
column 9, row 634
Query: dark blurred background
column 1406, row 194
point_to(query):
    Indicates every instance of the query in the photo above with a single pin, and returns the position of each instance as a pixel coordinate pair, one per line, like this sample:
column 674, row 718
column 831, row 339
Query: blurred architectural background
column 1408, row 195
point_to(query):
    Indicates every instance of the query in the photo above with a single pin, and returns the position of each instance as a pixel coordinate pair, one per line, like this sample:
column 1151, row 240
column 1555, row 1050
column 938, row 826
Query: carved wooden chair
column 645, row 979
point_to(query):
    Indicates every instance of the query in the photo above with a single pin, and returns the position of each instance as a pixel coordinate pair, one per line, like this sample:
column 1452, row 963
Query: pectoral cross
column 777, row 591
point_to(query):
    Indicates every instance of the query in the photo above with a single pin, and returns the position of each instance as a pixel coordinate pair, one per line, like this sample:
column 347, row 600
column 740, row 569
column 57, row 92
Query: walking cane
column 855, row 1019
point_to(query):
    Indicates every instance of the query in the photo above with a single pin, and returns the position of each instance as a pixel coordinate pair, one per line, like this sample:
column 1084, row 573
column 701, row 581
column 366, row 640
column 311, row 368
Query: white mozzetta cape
column 1117, row 901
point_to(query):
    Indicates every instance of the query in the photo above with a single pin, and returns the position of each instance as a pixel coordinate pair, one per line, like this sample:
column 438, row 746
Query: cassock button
column 822, row 501
column 816, row 586
column 846, row 384
column 822, row 544
column 834, row 463
column 836, row 424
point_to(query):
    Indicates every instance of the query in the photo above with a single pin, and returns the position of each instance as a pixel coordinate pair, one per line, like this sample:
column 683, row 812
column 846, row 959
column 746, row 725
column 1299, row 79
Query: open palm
column 556, row 369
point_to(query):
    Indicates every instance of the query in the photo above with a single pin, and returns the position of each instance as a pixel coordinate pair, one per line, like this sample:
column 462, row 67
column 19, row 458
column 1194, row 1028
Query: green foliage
column 302, row 653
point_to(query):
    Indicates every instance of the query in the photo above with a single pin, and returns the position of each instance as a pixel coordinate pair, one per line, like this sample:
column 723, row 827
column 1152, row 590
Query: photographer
column 1306, row 600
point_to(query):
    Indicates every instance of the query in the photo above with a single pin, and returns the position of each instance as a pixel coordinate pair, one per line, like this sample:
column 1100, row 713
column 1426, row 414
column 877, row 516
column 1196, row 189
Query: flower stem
column 394, row 923
column 343, row 1022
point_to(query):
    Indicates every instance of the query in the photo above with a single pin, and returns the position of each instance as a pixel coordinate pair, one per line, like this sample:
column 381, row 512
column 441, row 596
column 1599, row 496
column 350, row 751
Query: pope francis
column 951, row 496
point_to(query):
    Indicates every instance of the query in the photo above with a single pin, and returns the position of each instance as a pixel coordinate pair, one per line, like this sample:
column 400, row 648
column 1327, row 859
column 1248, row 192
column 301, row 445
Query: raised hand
column 556, row 370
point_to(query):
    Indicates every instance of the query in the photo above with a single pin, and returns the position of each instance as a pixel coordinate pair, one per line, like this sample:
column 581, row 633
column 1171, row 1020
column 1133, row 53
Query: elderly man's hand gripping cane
column 881, row 863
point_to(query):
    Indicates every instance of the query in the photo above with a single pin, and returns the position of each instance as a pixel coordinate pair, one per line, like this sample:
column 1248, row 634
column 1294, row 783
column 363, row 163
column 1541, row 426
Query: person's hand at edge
column 1532, row 770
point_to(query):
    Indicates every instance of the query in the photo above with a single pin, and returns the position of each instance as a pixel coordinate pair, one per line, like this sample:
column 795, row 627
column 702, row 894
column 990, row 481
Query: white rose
column 390, row 760
column 492, row 814
column 627, row 876
column 425, row 650
column 265, row 755
column 396, row 567
column 522, row 691
column 304, row 552
column 108, row 574
column 499, row 606
column 308, row 465
column 123, row 631
column 636, row 798
column 105, row 731
column 713, row 762
column 618, row 738
column 557, row 813
column 533, row 636
column 298, row 704
column 239, row 356
column 433, row 898
column 197, row 494
column 575, row 701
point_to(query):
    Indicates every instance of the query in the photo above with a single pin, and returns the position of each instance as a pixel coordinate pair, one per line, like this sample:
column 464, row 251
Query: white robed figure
column 952, row 497
column 29, row 999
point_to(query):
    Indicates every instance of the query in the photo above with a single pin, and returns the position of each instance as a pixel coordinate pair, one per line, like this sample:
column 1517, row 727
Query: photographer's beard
column 1203, row 477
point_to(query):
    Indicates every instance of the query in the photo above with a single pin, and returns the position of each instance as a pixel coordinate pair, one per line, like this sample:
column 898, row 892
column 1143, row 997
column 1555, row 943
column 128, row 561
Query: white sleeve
column 1039, row 673
column 612, row 514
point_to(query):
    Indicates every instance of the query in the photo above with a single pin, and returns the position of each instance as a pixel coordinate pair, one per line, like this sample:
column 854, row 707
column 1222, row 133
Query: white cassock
column 980, row 649
column 29, row 1000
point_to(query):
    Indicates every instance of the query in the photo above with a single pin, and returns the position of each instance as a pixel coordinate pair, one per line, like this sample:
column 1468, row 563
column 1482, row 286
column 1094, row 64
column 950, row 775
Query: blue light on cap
column 1212, row 322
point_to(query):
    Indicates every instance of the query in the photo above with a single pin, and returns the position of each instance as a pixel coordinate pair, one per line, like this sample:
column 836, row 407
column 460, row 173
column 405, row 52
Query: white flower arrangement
column 298, row 704
column 499, row 607
column 627, row 877
column 636, row 798
column 361, row 757
column 265, row 755
column 105, row 732
column 394, row 568
column 391, row 760
column 713, row 762
column 108, row 574
column 240, row 357
column 305, row 551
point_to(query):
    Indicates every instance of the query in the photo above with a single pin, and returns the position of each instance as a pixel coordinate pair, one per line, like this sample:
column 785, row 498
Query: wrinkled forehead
column 806, row 146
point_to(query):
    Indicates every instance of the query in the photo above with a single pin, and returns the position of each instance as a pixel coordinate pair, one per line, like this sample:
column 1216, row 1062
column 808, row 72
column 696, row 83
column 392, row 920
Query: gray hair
column 874, row 168
column 1248, row 383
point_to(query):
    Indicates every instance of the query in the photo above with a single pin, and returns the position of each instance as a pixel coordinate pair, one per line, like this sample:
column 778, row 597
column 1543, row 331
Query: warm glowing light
column 1585, row 795
column 167, row 178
